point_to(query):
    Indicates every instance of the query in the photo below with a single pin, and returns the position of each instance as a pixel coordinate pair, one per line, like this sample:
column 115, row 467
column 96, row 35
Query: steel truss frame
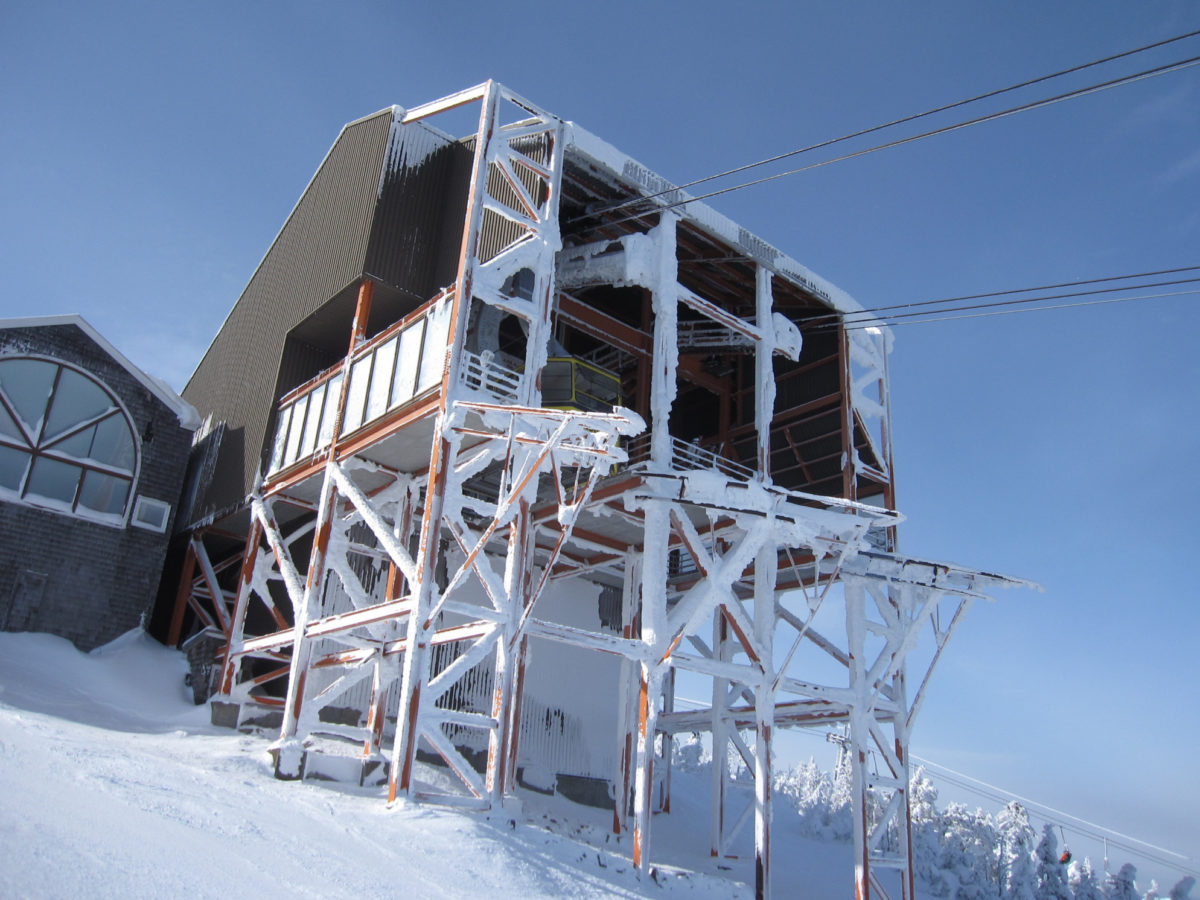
column 382, row 609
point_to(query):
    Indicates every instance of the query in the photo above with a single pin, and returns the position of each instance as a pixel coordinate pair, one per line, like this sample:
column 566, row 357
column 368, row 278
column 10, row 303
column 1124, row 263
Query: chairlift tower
column 630, row 441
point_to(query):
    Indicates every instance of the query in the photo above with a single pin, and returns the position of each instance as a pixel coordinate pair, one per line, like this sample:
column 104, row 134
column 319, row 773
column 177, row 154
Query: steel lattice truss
column 410, row 597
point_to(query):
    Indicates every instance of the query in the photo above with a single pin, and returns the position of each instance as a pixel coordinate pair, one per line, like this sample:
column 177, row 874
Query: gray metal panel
column 422, row 206
column 319, row 252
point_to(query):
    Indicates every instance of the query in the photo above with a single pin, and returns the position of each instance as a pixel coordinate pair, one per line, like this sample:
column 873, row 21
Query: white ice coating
column 628, row 261
column 787, row 336
column 405, row 152
column 868, row 348
column 603, row 154
column 665, row 361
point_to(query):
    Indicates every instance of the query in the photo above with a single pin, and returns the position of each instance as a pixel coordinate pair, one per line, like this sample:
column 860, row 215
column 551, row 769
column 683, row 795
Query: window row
column 65, row 441
column 389, row 375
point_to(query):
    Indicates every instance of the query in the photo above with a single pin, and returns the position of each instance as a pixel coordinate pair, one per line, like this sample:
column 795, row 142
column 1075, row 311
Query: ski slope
column 114, row 785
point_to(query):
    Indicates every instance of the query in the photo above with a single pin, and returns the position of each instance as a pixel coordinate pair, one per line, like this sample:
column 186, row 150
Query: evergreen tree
column 1083, row 881
column 926, row 828
column 1015, row 835
column 1051, row 879
column 810, row 790
column 1121, row 886
column 968, row 848
column 841, row 817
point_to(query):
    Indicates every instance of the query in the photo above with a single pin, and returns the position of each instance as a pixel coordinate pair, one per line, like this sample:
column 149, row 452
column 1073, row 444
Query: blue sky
column 152, row 150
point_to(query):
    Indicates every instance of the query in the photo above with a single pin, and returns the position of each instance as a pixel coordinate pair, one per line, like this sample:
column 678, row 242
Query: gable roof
column 184, row 411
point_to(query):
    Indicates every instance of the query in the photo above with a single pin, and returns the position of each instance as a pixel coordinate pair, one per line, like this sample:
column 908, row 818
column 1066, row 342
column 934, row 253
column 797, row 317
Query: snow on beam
column 369, row 615
column 795, row 713
column 604, row 156
column 940, row 576
column 452, row 101
column 588, row 640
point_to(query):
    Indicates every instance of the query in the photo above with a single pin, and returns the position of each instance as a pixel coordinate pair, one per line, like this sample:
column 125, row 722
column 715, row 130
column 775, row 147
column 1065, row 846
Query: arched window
column 65, row 441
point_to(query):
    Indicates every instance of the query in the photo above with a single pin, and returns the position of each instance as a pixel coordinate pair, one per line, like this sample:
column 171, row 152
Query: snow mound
column 130, row 684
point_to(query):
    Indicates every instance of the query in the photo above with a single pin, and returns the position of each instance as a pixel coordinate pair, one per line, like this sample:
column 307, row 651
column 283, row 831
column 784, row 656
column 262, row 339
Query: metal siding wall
column 422, row 207
column 318, row 252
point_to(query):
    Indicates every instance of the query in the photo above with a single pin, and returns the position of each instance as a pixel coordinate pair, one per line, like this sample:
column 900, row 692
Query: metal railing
column 389, row 371
column 481, row 372
column 688, row 457
column 703, row 334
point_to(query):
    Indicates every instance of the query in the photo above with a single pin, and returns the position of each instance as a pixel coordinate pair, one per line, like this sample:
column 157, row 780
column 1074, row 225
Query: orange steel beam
column 249, row 557
column 634, row 341
column 316, row 564
column 407, row 731
column 181, row 597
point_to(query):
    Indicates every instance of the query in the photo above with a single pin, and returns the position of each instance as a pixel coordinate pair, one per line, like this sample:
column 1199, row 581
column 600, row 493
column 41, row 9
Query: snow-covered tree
column 968, row 849
column 689, row 755
column 1183, row 889
column 1015, row 835
column 1152, row 891
column 1082, row 879
column 841, row 817
column 1121, row 886
column 926, row 831
column 1051, row 879
column 810, row 791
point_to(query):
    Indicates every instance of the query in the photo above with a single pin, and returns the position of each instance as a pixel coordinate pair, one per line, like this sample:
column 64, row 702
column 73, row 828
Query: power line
column 1057, row 817
column 901, row 121
column 1006, row 312
column 1010, row 291
column 892, row 319
column 1178, row 65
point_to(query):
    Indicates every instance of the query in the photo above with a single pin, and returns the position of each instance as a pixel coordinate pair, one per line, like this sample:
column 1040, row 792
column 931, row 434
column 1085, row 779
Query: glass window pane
column 404, row 385
column 9, row 427
column 113, row 444
column 381, row 379
column 330, row 413
column 109, row 441
column 313, row 423
column 79, row 444
column 103, row 493
column 297, row 429
column 53, row 480
column 556, row 382
column 76, row 399
column 360, row 373
column 12, row 467
column 281, row 427
column 27, row 384
column 433, row 355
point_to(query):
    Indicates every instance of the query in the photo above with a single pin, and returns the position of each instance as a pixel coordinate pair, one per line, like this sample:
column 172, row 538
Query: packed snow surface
column 115, row 785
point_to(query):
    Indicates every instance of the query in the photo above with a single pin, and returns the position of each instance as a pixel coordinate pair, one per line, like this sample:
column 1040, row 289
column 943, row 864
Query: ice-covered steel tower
column 491, row 465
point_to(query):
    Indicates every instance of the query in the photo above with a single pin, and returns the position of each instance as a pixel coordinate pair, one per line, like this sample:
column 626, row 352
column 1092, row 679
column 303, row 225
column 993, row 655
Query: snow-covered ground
column 113, row 784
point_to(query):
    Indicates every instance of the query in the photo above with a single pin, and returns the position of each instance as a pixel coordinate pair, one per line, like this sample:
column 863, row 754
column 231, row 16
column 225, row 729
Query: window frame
column 37, row 449
column 144, row 504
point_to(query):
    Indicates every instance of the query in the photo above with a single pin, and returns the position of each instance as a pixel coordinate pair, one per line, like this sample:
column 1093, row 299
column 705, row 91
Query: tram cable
column 901, row 121
column 1178, row 65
